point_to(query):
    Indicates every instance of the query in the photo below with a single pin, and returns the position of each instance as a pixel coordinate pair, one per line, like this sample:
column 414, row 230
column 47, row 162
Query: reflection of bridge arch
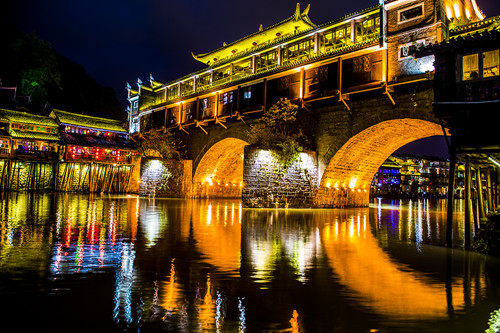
column 386, row 286
column 348, row 175
column 219, row 173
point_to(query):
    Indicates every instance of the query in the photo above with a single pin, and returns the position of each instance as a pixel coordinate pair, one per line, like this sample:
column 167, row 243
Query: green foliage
column 487, row 238
column 161, row 145
column 287, row 153
column 494, row 322
column 37, row 67
column 50, row 80
column 279, row 132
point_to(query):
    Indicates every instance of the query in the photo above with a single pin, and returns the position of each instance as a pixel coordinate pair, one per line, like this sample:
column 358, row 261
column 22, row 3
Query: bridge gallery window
column 480, row 65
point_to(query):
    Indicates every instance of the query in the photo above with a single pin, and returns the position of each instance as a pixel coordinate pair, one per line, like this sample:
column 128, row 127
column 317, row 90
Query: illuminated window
column 490, row 63
column 480, row 65
column 247, row 93
column 470, row 66
column 411, row 13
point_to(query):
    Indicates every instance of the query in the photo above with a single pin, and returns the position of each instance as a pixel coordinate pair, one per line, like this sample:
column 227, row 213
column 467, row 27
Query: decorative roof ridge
column 474, row 25
column 72, row 114
column 295, row 17
column 454, row 41
column 7, row 112
column 347, row 16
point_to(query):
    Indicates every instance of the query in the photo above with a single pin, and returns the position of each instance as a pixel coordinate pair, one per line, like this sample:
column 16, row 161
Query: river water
column 80, row 263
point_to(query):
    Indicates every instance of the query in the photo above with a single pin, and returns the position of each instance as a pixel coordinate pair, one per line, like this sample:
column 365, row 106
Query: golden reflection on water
column 25, row 234
column 217, row 231
column 96, row 232
column 387, row 286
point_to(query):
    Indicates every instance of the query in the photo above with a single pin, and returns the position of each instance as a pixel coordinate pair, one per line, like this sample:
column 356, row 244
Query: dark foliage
column 45, row 79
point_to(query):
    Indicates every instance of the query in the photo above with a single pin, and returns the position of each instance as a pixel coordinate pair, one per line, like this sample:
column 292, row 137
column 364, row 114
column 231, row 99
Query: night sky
column 118, row 41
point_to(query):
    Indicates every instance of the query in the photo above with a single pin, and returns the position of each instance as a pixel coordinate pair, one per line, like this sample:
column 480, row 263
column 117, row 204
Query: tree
column 161, row 145
column 50, row 80
column 279, row 132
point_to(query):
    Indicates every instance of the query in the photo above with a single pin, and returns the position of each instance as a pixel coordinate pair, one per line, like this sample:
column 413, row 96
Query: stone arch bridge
column 362, row 95
column 349, row 143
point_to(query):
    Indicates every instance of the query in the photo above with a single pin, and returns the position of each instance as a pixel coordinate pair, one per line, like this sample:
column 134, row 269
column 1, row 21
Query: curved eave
column 297, row 22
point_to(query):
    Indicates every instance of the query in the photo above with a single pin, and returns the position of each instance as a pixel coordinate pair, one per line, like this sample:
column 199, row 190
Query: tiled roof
column 26, row 118
column 297, row 21
column 21, row 134
column 68, row 118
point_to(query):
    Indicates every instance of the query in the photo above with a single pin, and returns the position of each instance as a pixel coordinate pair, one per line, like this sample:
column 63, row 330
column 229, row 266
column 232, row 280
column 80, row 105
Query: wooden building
column 367, row 51
column 95, row 154
column 86, row 138
column 64, row 152
column 28, row 150
column 467, row 100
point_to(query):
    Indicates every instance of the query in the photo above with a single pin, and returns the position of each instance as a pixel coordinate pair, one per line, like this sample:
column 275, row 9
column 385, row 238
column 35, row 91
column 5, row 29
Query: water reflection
column 196, row 266
column 389, row 287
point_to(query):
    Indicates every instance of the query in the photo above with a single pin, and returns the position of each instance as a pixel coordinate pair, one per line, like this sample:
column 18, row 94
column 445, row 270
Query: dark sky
column 118, row 41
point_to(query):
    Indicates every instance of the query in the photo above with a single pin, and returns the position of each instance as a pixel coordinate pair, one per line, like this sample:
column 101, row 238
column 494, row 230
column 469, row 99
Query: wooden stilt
column 467, row 221
column 479, row 181
column 451, row 196
column 489, row 196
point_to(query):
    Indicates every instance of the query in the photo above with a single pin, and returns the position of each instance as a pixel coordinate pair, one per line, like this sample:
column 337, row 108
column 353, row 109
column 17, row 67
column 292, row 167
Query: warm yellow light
column 456, row 8
column 353, row 181
column 449, row 14
column 478, row 12
column 328, row 184
column 209, row 181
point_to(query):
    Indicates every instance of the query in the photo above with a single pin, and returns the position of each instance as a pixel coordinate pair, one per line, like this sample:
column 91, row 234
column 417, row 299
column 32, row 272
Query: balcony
column 99, row 158
column 38, row 154
column 4, row 151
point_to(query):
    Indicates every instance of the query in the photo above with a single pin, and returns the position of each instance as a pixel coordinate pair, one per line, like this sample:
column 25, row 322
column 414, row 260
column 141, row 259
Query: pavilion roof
column 298, row 22
column 74, row 119
column 479, row 27
column 465, row 36
column 25, row 118
column 22, row 134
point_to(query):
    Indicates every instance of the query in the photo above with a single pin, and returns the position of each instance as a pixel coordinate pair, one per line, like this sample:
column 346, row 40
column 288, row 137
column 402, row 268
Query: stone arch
column 348, row 175
column 219, row 171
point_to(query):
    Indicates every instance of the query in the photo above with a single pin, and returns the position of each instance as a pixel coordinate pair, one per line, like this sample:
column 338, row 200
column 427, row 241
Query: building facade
column 412, row 176
column 64, row 152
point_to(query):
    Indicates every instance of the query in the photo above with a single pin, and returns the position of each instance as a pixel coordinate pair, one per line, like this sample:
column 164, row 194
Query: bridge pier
column 268, row 184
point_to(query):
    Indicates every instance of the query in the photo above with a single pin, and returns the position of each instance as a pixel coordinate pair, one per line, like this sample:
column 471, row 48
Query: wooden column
column 451, row 196
column 302, row 85
column 479, row 182
column 468, row 208
column 474, row 202
column 265, row 95
column 489, row 189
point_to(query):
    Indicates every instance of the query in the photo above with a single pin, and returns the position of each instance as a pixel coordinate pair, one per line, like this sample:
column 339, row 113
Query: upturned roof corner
column 299, row 21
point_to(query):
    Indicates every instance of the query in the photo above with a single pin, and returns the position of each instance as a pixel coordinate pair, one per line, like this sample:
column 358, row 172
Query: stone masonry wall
column 266, row 184
column 158, row 181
